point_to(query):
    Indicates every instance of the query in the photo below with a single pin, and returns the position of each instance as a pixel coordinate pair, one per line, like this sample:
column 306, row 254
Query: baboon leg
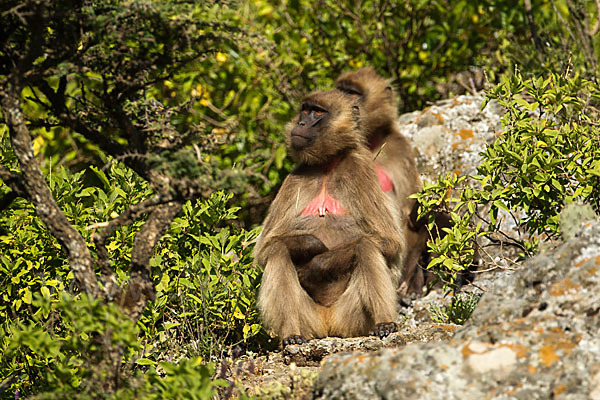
column 370, row 298
column 285, row 307
column 413, row 275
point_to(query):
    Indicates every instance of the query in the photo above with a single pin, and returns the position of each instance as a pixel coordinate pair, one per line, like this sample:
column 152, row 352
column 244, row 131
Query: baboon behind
column 394, row 160
column 330, row 247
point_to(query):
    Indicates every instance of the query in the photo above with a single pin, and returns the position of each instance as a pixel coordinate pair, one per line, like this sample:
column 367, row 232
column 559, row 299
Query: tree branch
column 109, row 146
column 141, row 288
column 536, row 39
column 78, row 254
column 13, row 181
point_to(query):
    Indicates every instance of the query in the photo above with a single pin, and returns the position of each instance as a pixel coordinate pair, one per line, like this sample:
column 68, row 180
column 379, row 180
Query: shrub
column 205, row 287
column 548, row 155
column 457, row 312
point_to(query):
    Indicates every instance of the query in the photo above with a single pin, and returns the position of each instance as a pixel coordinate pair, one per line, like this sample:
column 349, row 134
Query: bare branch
column 532, row 27
column 141, row 288
column 594, row 30
column 109, row 146
column 130, row 215
column 7, row 200
column 13, row 181
column 78, row 254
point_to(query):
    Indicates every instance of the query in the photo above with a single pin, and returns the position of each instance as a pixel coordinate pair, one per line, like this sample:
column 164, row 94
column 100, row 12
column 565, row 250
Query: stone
column 534, row 334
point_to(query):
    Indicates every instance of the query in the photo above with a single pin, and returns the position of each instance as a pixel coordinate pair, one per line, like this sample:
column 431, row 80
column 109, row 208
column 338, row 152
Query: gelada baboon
column 330, row 247
column 394, row 160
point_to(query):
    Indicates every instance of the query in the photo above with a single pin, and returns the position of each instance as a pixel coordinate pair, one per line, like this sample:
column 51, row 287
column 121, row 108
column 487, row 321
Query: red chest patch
column 323, row 204
column 384, row 180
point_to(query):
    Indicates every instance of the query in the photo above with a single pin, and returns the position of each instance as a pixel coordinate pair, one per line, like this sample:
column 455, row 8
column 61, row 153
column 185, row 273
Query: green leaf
column 45, row 292
column 145, row 361
column 27, row 296
column 102, row 176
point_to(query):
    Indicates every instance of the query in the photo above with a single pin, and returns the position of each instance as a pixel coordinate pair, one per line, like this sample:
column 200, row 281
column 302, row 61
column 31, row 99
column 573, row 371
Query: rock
column 291, row 372
column 313, row 352
column 448, row 136
column 571, row 216
column 535, row 334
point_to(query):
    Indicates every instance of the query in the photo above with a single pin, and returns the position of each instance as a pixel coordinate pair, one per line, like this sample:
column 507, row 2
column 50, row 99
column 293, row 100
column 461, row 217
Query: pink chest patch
column 384, row 180
column 323, row 204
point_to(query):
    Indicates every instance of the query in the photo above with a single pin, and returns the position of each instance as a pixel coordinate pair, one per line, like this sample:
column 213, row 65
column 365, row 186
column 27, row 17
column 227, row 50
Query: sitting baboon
column 330, row 247
column 395, row 163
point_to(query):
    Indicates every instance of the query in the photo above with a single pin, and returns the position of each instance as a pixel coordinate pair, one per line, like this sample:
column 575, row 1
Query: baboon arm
column 329, row 264
column 374, row 210
column 285, row 307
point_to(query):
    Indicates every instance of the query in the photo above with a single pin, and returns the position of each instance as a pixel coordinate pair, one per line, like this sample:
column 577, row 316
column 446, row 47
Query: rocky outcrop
column 449, row 135
column 534, row 335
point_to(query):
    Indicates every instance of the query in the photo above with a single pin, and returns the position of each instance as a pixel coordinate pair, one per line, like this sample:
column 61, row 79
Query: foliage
column 206, row 286
column 548, row 155
column 206, row 281
column 70, row 360
column 419, row 44
column 80, row 79
column 454, row 246
column 457, row 312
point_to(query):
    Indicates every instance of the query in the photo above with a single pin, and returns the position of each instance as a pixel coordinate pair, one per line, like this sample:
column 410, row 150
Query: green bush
column 207, row 284
column 90, row 354
column 548, row 155
column 203, row 268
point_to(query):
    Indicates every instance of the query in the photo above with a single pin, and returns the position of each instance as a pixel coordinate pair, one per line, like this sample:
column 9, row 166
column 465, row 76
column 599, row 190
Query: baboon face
column 327, row 124
column 310, row 122
column 376, row 98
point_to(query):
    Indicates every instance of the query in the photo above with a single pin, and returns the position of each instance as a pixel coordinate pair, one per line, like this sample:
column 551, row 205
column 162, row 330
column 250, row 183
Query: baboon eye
column 318, row 113
column 305, row 112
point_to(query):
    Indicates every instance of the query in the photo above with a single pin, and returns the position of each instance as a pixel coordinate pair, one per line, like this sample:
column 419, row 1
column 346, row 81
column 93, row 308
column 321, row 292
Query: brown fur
column 394, row 154
column 343, row 283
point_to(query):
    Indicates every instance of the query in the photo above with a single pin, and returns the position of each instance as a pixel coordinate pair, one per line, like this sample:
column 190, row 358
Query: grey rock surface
column 449, row 135
column 291, row 372
column 534, row 335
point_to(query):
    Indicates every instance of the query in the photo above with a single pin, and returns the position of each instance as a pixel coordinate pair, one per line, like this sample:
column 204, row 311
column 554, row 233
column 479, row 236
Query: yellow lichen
column 547, row 355
column 465, row 134
column 562, row 287
column 559, row 389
